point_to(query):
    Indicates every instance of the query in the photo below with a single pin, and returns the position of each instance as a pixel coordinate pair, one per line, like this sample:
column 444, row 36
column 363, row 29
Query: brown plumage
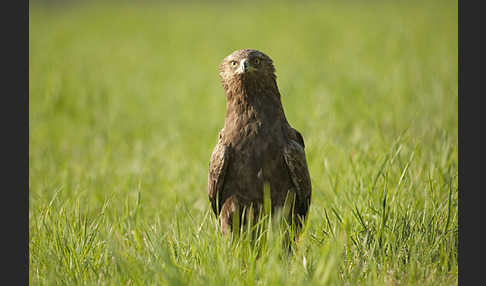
column 256, row 145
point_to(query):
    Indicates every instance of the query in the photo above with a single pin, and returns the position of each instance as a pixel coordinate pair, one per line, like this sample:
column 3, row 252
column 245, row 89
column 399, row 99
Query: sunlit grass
column 126, row 105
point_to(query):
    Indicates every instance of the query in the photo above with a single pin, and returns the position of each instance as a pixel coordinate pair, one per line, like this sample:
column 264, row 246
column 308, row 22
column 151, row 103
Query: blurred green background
column 125, row 106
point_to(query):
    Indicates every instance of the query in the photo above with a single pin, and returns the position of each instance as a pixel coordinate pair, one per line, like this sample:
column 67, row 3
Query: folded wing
column 218, row 166
column 294, row 156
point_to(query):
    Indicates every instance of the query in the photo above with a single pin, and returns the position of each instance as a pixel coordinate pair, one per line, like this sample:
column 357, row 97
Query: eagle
column 257, row 148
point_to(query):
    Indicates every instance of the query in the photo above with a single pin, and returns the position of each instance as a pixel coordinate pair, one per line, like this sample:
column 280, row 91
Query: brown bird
column 256, row 146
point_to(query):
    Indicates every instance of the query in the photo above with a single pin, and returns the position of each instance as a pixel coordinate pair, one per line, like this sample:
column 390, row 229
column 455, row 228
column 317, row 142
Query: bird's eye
column 233, row 63
column 257, row 61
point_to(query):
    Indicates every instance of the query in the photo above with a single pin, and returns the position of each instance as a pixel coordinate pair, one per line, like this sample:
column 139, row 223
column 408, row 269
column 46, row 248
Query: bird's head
column 246, row 65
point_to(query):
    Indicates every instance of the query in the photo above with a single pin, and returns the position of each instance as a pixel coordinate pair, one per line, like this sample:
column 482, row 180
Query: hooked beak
column 244, row 67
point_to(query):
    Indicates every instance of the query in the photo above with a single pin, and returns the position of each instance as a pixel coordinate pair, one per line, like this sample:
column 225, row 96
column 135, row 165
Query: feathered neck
column 249, row 99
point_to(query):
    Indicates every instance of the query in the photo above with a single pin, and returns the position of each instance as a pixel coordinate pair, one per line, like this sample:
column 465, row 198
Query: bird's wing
column 294, row 156
column 217, row 171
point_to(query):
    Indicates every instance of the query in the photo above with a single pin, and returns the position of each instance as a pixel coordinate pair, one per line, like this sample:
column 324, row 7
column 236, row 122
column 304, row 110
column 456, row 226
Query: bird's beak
column 244, row 67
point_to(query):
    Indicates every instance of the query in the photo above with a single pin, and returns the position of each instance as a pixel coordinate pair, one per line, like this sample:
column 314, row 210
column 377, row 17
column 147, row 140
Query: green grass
column 125, row 108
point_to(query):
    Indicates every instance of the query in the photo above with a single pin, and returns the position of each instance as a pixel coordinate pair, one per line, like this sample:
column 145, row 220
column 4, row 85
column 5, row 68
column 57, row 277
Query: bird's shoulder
column 294, row 135
column 220, row 151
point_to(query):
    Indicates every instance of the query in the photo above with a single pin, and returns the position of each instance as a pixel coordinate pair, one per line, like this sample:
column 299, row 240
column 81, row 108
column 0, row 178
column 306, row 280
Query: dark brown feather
column 294, row 155
column 217, row 170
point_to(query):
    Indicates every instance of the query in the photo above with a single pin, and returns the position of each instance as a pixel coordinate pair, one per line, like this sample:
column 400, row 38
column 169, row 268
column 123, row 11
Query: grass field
column 125, row 108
